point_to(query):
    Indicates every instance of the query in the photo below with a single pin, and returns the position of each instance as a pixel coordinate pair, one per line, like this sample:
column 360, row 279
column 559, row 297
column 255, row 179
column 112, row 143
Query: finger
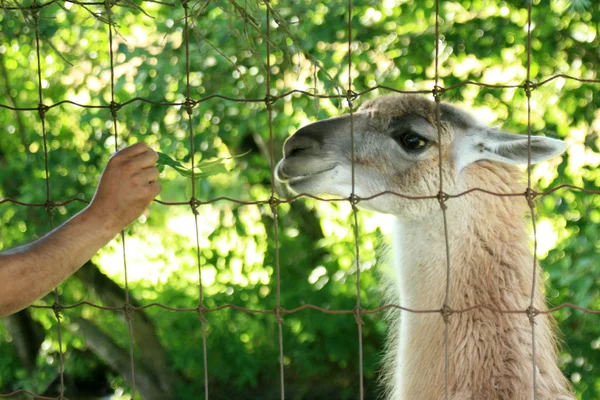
column 134, row 150
column 148, row 174
column 155, row 188
column 144, row 160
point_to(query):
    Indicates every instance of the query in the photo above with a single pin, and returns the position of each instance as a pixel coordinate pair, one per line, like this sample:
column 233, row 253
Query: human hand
column 127, row 186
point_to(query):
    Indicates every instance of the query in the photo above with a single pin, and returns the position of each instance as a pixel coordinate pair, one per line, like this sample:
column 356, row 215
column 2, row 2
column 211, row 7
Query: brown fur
column 489, row 353
column 492, row 351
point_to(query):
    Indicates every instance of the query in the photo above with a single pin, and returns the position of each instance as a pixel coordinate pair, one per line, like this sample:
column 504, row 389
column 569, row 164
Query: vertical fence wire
column 354, row 200
column 114, row 108
column 189, row 108
column 42, row 109
column 446, row 311
column 273, row 201
column 530, row 197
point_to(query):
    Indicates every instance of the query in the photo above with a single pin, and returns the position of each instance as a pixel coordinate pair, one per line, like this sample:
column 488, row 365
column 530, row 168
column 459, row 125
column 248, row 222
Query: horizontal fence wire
column 273, row 98
column 350, row 96
column 532, row 194
column 207, row 310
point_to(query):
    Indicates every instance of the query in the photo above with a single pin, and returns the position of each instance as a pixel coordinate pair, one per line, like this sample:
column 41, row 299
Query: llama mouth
column 294, row 179
column 287, row 184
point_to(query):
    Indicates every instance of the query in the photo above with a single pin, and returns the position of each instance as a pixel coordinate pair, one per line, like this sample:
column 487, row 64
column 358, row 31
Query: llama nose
column 298, row 144
column 311, row 137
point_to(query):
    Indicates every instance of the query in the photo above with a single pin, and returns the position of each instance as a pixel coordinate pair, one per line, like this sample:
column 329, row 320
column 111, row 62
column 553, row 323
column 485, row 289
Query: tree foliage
column 393, row 44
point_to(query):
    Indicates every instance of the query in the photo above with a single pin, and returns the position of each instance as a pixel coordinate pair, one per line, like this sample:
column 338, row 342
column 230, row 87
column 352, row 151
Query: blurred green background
column 392, row 44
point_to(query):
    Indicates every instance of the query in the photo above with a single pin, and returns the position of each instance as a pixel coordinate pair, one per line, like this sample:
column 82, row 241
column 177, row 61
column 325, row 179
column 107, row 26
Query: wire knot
column 194, row 205
column 351, row 96
column 128, row 310
column 278, row 311
column 189, row 106
column 114, row 107
column 201, row 310
column 269, row 101
column 108, row 4
column 49, row 206
column 446, row 312
column 532, row 312
column 57, row 308
column 354, row 200
column 529, row 87
column 34, row 9
column 358, row 313
column 273, row 202
column 437, row 93
column 530, row 196
column 442, row 199
column 42, row 110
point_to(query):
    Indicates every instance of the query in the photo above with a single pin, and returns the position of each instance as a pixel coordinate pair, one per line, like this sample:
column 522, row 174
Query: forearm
column 127, row 186
column 31, row 271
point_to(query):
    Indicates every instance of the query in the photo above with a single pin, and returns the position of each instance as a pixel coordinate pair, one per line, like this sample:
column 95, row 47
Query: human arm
column 127, row 187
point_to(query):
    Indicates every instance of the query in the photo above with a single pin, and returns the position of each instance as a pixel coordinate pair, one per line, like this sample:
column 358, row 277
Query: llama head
column 397, row 149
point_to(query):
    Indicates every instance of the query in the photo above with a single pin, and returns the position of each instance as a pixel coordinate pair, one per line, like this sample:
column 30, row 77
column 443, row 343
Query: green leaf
column 164, row 159
column 204, row 169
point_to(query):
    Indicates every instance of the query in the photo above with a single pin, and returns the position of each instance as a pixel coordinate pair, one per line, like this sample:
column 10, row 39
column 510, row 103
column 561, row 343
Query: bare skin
column 128, row 185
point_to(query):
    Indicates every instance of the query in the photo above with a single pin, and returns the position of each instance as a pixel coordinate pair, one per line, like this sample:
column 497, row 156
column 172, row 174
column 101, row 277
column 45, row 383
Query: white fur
column 490, row 354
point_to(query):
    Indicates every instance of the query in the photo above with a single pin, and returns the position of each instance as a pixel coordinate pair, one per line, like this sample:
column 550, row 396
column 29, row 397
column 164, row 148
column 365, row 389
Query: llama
column 396, row 149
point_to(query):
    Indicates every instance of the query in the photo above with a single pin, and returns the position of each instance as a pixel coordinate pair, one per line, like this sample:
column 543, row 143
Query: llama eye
column 410, row 141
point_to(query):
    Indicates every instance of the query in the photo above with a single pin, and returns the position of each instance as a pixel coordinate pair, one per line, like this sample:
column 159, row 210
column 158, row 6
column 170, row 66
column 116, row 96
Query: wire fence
column 437, row 92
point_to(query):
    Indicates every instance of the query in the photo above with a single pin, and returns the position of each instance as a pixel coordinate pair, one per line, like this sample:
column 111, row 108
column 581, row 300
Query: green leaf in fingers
column 202, row 170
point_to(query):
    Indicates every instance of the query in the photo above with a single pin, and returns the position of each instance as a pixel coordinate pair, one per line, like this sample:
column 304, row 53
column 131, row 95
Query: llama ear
column 488, row 144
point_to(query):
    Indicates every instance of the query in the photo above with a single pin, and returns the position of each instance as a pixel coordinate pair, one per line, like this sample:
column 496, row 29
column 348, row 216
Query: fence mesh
column 192, row 10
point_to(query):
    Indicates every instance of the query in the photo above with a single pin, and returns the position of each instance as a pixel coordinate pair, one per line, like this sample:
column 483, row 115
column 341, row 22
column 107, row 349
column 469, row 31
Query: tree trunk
column 27, row 337
column 152, row 354
column 147, row 384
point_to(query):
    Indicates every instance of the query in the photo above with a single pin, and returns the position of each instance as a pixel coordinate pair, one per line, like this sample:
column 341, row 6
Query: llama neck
column 481, row 246
column 420, row 262
column 490, row 264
